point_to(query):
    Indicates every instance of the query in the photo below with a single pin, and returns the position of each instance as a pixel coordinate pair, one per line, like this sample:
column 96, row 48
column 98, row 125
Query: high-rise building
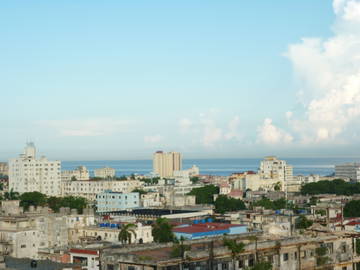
column 273, row 168
column 348, row 171
column 28, row 173
column 164, row 164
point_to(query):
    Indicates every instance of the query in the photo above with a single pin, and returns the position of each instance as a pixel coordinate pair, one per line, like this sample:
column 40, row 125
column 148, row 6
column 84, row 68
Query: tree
column 11, row 195
column 34, row 198
column 352, row 209
column 195, row 179
column 337, row 186
column 55, row 203
column 277, row 186
column 261, row 266
column 205, row 195
column 162, row 231
column 179, row 249
column 72, row 202
column 126, row 232
column 73, row 178
column 269, row 204
column 224, row 204
column 140, row 191
column 235, row 249
column 302, row 222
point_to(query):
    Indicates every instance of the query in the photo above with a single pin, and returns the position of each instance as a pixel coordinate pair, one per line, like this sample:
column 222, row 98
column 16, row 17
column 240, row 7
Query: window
column 131, row 268
column 285, row 257
column 224, row 266
column 23, row 246
column 241, row 263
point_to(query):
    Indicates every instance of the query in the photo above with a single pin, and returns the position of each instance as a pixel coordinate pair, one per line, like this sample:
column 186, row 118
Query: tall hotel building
column 27, row 173
column 164, row 164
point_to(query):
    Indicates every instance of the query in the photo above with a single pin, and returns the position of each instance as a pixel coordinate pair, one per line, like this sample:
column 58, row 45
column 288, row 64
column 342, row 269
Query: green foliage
column 126, row 232
column 73, row 178
column 320, row 212
column 277, row 186
column 302, row 222
column 55, row 203
column 235, row 247
column 150, row 181
column 205, row 195
column 140, row 191
column 78, row 203
column 123, row 177
column 261, row 266
column 179, row 249
column 34, row 198
column 357, row 246
column 352, row 209
column 195, row 179
column 313, row 201
column 11, row 195
column 162, row 231
column 321, row 257
column 337, row 186
column 275, row 205
column 224, row 204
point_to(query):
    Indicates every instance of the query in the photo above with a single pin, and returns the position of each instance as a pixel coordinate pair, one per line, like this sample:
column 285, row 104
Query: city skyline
column 210, row 80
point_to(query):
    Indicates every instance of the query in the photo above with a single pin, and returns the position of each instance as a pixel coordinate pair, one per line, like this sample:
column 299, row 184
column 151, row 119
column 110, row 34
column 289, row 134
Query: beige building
column 4, row 168
column 273, row 168
column 80, row 173
column 142, row 234
column 89, row 189
column 164, row 164
column 105, row 172
column 28, row 173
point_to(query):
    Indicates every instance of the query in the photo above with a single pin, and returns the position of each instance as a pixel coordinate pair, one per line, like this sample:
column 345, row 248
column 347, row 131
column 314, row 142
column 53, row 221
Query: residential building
column 89, row 189
column 164, row 164
column 110, row 201
column 338, row 252
column 4, row 168
column 273, row 168
column 80, row 173
column 348, row 170
column 105, row 172
column 109, row 232
column 87, row 258
column 28, row 173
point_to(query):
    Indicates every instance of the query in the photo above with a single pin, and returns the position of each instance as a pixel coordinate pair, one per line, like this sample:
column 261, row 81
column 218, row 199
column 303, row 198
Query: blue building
column 207, row 229
column 109, row 201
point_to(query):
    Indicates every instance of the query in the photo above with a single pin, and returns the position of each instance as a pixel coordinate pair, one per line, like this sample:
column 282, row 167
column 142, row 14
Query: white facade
column 104, row 172
column 27, row 173
column 164, row 164
column 80, row 173
column 348, row 170
column 273, row 168
column 109, row 201
column 89, row 189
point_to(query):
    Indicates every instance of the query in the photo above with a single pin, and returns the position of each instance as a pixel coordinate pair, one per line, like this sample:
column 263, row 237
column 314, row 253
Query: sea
column 221, row 167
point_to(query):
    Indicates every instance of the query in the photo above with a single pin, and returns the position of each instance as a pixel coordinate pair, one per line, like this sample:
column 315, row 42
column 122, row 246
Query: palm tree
column 235, row 248
column 126, row 232
column 11, row 195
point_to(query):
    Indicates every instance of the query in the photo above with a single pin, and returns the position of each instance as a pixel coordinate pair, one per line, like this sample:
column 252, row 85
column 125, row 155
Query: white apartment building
column 28, row 173
column 110, row 201
column 273, row 168
column 348, row 170
column 105, row 172
column 80, row 173
column 89, row 189
column 164, row 164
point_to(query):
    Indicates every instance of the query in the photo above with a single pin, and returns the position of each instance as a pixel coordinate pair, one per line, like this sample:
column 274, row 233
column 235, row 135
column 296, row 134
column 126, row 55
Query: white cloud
column 153, row 139
column 86, row 127
column 268, row 133
column 233, row 129
column 329, row 71
column 185, row 125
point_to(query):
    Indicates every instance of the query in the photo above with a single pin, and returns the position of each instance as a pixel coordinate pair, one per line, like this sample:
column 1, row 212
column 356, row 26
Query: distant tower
column 164, row 164
column 30, row 150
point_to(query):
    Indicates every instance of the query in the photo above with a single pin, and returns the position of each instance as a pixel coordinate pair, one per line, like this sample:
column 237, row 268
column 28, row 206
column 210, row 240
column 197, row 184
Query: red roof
column 205, row 227
column 84, row 251
column 353, row 223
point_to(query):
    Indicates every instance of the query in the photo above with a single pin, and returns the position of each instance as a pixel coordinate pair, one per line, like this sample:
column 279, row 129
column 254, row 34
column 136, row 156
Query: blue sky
column 121, row 79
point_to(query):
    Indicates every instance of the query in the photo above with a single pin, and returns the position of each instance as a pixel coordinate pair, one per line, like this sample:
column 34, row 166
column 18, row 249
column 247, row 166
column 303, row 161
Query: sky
column 88, row 80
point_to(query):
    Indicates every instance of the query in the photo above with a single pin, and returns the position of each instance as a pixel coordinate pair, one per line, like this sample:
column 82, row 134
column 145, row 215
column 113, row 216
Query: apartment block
column 110, row 201
column 164, row 164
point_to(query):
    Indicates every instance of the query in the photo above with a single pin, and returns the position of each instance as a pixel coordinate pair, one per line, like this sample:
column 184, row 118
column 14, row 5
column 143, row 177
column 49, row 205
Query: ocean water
column 224, row 167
